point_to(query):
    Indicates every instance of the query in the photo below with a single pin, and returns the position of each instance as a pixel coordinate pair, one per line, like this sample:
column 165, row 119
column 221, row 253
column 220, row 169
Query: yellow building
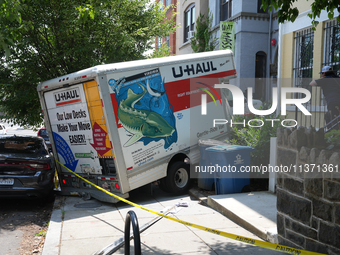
column 303, row 52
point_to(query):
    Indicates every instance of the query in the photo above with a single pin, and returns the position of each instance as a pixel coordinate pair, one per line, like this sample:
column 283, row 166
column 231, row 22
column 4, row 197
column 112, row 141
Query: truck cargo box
column 125, row 125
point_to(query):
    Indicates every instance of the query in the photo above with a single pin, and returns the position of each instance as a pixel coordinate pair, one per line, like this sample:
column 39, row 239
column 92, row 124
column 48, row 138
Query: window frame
column 303, row 74
column 189, row 26
column 332, row 45
column 227, row 3
column 168, row 41
column 159, row 42
column 303, row 48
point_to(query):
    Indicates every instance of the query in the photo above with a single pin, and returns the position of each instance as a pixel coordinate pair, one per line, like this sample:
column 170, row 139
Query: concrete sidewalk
column 85, row 227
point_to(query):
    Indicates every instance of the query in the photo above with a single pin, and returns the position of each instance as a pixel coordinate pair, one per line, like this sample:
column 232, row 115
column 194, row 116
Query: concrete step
column 254, row 211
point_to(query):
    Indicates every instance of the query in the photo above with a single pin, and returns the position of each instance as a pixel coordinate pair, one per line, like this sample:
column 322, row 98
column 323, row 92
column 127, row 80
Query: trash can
column 206, row 180
column 226, row 161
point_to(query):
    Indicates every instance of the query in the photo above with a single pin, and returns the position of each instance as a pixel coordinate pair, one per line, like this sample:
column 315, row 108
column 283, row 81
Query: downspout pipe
column 279, row 71
column 268, row 83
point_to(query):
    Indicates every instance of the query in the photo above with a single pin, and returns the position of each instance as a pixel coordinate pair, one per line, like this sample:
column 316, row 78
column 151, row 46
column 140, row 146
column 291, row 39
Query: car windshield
column 25, row 145
column 43, row 133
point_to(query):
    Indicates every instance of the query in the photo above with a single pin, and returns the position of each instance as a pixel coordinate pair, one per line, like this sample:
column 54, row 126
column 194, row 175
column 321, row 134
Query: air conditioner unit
column 191, row 34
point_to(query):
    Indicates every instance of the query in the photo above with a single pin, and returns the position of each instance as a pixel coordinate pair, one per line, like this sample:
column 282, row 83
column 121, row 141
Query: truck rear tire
column 178, row 178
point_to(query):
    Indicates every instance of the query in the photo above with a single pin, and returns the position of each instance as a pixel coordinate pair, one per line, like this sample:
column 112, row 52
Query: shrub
column 257, row 137
column 333, row 139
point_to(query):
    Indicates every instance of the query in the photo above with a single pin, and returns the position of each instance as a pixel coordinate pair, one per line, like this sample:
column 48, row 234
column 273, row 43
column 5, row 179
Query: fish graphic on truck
column 141, row 122
column 144, row 109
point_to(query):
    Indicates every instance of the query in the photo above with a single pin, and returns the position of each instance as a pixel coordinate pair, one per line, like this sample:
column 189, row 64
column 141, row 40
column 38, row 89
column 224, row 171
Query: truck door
column 79, row 129
column 102, row 143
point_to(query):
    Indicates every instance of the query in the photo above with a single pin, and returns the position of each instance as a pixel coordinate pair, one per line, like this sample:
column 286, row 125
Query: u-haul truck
column 125, row 125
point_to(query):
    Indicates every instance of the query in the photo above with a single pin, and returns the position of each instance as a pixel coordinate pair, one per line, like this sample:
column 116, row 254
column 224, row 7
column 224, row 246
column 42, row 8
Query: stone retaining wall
column 308, row 203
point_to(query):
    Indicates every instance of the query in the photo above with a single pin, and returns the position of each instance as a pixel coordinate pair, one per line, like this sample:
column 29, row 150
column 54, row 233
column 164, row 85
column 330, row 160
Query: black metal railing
column 333, row 124
column 132, row 218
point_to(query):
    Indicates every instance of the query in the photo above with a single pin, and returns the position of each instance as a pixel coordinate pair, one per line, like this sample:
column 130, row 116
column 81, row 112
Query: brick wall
column 308, row 203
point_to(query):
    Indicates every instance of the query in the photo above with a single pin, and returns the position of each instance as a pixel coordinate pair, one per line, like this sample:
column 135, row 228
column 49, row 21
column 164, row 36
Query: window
column 225, row 9
column 260, row 73
column 303, row 72
column 332, row 46
column 260, row 65
column 168, row 41
column 189, row 22
column 159, row 42
column 167, row 2
column 304, row 43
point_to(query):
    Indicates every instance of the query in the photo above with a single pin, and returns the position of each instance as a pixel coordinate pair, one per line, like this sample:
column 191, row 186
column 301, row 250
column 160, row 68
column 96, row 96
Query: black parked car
column 26, row 167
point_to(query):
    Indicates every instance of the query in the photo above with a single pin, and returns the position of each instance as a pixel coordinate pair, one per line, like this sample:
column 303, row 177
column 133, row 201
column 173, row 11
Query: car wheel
column 178, row 179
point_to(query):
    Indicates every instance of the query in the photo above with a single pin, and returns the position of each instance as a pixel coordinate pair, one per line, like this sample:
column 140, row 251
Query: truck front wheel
column 178, row 178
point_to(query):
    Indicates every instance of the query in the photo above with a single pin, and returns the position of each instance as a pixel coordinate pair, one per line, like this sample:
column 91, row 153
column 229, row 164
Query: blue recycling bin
column 228, row 161
column 206, row 180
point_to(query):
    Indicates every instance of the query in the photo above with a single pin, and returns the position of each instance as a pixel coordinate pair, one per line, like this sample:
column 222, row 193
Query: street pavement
column 87, row 226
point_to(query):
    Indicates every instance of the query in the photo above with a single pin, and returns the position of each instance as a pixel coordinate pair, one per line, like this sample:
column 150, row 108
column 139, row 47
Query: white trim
column 191, row 34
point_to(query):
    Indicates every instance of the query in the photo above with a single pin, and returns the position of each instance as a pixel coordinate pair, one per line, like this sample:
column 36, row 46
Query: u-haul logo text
column 67, row 97
column 193, row 69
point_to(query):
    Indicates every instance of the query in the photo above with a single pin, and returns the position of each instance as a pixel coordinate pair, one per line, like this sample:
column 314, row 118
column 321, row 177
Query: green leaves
column 257, row 137
column 41, row 40
column 85, row 12
column 10, row 12
column 163, row 51
column 333, row 139
column 10, row 9
column 286, row 11
column 203, row 40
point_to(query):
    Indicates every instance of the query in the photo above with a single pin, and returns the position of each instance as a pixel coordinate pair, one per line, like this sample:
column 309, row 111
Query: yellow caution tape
column 55, row 178
column 263, row 244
